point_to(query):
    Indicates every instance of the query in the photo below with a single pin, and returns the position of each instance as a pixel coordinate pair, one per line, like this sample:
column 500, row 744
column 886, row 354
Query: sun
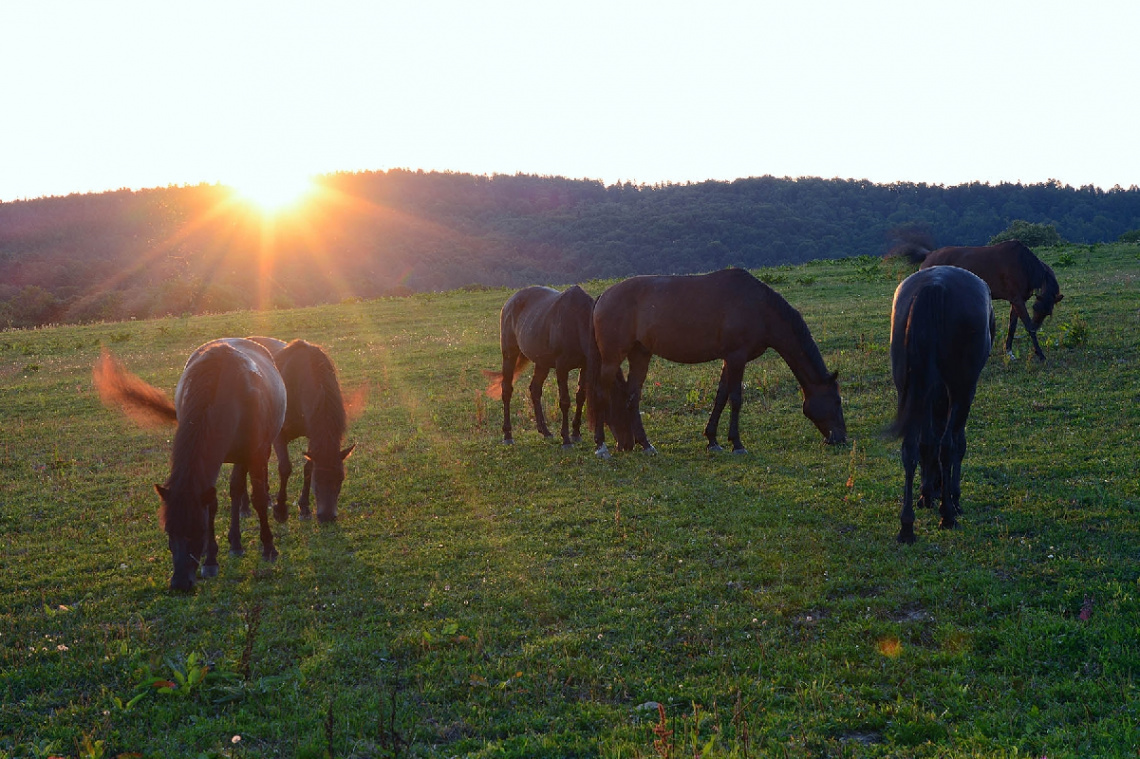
column 273, row 193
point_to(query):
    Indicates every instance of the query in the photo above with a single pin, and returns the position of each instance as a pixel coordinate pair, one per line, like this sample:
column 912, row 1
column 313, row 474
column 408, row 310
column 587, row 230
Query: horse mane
column 323, row 408
column 801, row 335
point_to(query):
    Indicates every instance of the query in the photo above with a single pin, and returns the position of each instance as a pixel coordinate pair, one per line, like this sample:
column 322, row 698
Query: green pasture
column 476, row 599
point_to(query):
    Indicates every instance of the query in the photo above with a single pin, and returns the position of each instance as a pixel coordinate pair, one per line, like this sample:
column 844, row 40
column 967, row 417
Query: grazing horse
column 728, row 315
column 228, row 406
column 1013, row 274
column 942, row 329
column 316, row 410
column 551, row 329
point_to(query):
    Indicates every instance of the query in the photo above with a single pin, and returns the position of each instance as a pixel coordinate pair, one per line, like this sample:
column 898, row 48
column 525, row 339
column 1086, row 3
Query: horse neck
column 789, row 336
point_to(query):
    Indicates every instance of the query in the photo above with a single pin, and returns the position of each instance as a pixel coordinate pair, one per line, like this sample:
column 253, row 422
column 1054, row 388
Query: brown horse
column 551, row 329
column 942, row 328
column 228, row 406
column 316, row 410
column 1013, row 274
column 728, row 315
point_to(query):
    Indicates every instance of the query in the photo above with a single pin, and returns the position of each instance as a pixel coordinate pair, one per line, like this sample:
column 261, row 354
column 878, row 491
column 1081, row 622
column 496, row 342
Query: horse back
column 687, row 319
column 233, row 385
column 1010, row 268
column 547, row 325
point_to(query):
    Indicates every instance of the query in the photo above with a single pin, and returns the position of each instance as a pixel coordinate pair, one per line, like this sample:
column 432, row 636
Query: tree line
column 196, row 249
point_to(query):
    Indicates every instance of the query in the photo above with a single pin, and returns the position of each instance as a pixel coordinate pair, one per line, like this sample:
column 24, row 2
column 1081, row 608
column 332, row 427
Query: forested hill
column 194, row 249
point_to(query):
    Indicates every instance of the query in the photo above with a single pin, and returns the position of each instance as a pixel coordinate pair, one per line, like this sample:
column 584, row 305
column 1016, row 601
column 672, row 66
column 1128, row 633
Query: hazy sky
column 106, row 94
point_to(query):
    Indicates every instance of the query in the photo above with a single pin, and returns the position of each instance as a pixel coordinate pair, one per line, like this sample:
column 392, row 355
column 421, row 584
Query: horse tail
column 495, row 379
column 118, row 388
column 911, row 242
column 913, row 252
column 923, row 340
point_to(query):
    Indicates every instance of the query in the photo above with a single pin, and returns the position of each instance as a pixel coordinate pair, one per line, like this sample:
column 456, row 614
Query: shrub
column 1131, row 236
column 1033, row 235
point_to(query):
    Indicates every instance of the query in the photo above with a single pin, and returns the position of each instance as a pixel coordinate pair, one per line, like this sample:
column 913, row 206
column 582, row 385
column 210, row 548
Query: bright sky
column 110, row 94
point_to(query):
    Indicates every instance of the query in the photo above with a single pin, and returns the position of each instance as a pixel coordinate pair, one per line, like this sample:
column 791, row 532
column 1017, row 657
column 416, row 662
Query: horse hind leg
column 238, row 497
column 579, row 402
column 259, row 494
column 563, row 377
column 638, row 371
column 284, row 470
column 906, row 514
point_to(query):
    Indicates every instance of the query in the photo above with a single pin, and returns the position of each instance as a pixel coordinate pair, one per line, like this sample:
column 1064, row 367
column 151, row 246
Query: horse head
column 620, row 415
column 185, row 519
column 1043, row 306
column 328, row 477
column 822, row 405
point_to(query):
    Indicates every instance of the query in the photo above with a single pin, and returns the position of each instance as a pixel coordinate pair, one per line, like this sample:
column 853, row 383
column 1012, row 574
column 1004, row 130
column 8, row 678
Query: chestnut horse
column 942, row 329
column 551, row 329
column 228, row 406
column 728, row 315
column 1013, row 274
column 315, row 410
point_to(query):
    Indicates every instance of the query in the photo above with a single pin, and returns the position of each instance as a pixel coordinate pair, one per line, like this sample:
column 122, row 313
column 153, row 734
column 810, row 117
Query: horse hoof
column 237, row 553
column 270, row 555
column 306, row 515
column 906, row 538
column 714, row 448
column 575, row 438
column 567, row 446
column 649, row 450
column 508, row 441
column 741, row 451
column 602, row 452
column 948, row 524
column 209, row 570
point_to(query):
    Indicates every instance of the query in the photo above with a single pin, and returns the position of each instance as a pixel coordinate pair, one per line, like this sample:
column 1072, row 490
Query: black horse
column 1013, row 274
column 942, row 329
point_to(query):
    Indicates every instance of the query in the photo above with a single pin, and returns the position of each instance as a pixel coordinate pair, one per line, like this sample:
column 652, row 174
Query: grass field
column 484, row 600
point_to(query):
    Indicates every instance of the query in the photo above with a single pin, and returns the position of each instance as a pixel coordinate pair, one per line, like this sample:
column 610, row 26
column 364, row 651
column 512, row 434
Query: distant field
column 482, row 600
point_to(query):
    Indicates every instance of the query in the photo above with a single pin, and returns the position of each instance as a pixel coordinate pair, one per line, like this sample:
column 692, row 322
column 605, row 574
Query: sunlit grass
column 478, row 599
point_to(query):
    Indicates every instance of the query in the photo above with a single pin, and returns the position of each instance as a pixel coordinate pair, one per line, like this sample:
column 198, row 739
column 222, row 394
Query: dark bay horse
column 316, row 410
column 942, row 329
column 552, row 330
column 228, row 406
column 728, row 315
column 1013, row 274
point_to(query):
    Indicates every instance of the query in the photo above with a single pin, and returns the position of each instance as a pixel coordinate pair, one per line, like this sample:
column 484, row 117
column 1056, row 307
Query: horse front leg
column 906, row 514
column 638, row 371
column 284, row 470
column 718, row 408
column 536, row 383
column 562, row 374
column 600, row 406
column 259, row 494
column 1018, row 309
column 210, row 564
column 734, row 377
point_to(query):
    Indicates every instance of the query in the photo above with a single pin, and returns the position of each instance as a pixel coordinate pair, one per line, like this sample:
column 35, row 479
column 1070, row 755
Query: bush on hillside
column 1033, row 235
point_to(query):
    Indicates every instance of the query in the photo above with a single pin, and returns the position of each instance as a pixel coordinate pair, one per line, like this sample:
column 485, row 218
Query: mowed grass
column 477, row 599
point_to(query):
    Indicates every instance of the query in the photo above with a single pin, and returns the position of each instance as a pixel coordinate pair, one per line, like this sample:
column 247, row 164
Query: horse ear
column 835, row 376
column 347, row 452
column 162, row 494
column 1058, row 298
